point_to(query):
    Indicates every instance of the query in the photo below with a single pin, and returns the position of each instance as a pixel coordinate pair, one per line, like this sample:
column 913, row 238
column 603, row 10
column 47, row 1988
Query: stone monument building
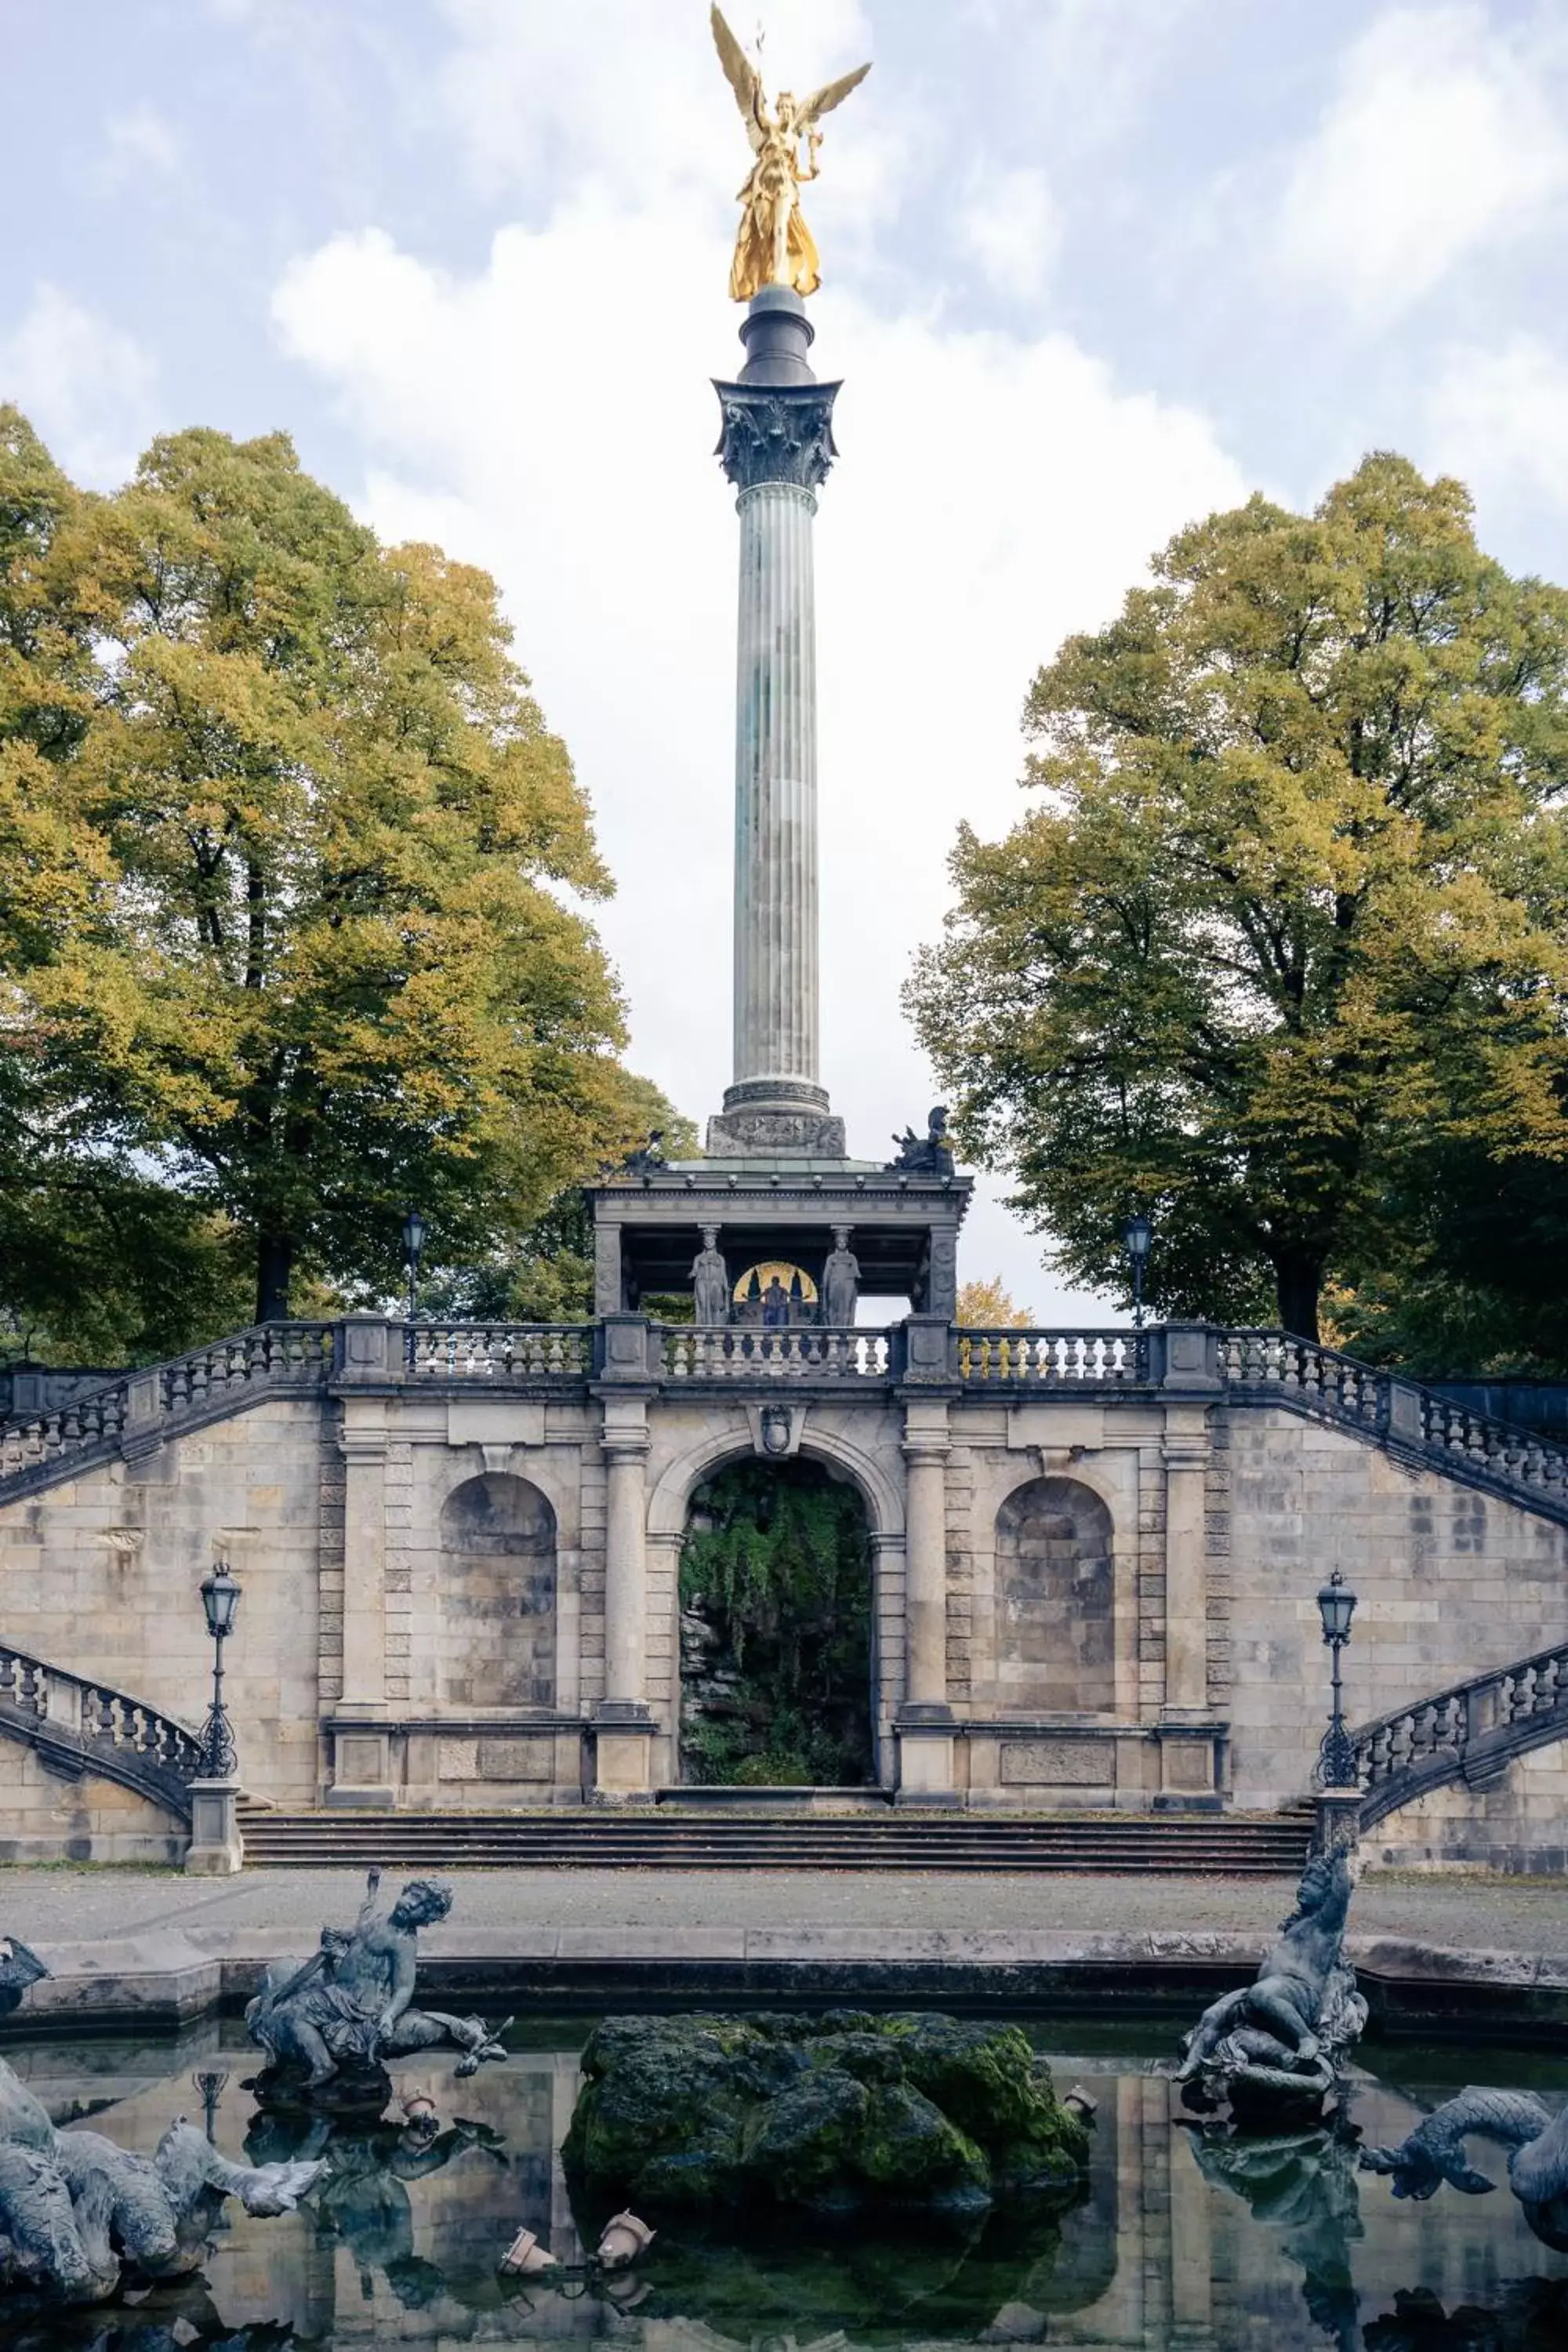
column 1095, row 1554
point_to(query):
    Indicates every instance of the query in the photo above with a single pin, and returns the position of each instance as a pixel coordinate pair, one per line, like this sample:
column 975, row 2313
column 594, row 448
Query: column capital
column 776, row 434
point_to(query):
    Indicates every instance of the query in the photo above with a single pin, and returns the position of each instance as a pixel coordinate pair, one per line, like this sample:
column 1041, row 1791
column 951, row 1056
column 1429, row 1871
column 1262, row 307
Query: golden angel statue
column 774, row 247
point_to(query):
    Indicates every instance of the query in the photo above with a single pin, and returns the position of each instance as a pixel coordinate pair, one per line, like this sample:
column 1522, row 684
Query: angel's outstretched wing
column 831, row 94
column 739, row 72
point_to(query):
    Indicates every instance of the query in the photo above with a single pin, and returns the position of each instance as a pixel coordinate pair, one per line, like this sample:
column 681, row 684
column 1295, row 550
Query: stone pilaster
column 1186, row 1458
column 361, row 1761
column 622, row 1724
column 925, row 1719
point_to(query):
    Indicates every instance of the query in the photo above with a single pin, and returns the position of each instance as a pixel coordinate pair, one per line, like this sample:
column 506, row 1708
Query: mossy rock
column 830, row 2112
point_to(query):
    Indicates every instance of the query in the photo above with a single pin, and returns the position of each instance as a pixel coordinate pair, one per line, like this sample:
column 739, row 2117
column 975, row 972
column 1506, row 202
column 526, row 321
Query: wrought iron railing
column 1472, row 1731
column 692, row 1352
column 78, row 1724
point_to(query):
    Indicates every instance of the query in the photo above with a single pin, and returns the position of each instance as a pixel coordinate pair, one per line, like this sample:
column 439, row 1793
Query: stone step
column 1272, row 1844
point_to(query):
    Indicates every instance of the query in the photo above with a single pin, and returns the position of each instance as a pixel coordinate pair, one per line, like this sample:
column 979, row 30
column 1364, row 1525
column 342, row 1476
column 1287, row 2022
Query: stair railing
column 77, row 1724
column 1470, row 1732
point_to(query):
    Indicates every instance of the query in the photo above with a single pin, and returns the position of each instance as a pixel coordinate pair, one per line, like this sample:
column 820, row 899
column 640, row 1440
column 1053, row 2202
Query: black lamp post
column 1137, row 1234
column 220, row 1599
column 1336, row 1758
column 414, row 1231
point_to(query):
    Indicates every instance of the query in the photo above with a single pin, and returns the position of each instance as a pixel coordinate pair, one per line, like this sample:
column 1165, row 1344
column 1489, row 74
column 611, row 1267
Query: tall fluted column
column 777, row 448
column 775, row 799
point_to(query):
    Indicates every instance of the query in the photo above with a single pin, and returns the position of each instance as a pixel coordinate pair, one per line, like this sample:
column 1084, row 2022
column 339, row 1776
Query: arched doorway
column 775, row 1629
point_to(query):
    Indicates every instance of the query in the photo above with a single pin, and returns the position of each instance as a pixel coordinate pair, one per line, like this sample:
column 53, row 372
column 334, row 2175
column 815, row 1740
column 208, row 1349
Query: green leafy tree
column 1290, row 903
column 291, row 871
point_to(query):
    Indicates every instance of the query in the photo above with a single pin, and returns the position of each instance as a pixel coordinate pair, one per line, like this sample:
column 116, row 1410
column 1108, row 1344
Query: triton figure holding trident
column 774, row 246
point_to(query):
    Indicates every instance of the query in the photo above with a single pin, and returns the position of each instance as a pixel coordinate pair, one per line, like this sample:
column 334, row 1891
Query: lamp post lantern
column 1336, row 1756
column 1137, row 1234
column 414, row 1231
column 220, row 1600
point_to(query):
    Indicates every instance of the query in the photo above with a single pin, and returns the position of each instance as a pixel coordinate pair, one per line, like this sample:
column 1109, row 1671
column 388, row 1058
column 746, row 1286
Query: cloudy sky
column 1094, row 266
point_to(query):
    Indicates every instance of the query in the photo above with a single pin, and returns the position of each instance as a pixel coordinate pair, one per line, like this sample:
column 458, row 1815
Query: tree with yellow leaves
column 290, row 870
column 1292, row 902
column 987, row 1305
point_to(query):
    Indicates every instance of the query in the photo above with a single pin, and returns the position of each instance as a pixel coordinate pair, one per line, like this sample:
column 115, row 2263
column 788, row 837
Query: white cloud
column 137, row 146
column 86, row 388
column 1012, row 225
column 616, row 92
column 1446, row 135
column 548, row 416
column 1499, row 418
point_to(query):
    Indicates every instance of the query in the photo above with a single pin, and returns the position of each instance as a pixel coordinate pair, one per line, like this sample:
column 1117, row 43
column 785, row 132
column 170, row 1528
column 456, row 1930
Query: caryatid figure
column 711, row 1281
column 840, row 1282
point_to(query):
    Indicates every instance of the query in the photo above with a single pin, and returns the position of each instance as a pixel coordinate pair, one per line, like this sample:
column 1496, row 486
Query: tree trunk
column 274, row 1265
column 1298, row 1281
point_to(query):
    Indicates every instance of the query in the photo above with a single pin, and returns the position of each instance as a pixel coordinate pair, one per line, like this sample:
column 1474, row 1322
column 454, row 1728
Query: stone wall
column 1451, row 1582
column 1520, row 1824
column 46, row 1818
column 1113, row 1588
column 102, row 1576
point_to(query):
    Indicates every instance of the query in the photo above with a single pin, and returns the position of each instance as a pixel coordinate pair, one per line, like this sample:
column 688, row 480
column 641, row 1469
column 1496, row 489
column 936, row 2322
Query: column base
column 927, row 1739
column 217, row 1849
column 774, row 1131
column 622, row 1731
column 361, row 1770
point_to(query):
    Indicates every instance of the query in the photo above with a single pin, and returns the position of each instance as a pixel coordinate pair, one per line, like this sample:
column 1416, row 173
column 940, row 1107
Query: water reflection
column 1180, row 2239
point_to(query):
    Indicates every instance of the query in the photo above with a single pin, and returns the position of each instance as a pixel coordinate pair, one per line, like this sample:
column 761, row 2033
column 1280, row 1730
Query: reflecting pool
column 1176, row 2241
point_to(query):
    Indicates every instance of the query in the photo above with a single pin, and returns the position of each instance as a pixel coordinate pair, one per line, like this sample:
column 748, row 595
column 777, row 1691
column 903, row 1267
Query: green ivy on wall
column 775, row 1596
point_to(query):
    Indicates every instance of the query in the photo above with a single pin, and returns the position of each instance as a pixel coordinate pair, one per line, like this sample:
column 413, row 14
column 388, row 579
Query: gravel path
column 56, row 1904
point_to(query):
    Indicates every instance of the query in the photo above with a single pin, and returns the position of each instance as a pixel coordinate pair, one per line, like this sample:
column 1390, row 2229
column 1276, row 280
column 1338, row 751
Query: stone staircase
column 79, row 1725
column 1137, row 1844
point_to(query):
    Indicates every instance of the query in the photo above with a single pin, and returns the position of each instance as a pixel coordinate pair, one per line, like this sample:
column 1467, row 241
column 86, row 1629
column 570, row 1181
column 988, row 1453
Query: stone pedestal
column 361, row 1770
column 1336, row 1820
column 217, row 1849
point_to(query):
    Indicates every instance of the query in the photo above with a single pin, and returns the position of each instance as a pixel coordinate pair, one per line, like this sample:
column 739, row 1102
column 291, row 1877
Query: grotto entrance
column 775, row 1630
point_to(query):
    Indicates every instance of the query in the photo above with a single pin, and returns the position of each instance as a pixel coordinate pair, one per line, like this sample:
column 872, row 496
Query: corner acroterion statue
column 774, row 246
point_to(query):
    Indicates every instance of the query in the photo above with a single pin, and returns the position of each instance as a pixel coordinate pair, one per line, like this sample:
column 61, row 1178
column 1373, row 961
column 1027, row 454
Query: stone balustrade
column 82, row 1425
column 78, row 1724
column 133, row 1413
column 498, row 1352
column 297, row 1353
column 1049, row 1359
column 687, row 1352
column 1470, row 1732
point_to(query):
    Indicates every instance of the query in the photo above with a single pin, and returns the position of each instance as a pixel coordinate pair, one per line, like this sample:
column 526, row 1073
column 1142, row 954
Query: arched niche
column 1056, row 1593
column 497, row 1595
